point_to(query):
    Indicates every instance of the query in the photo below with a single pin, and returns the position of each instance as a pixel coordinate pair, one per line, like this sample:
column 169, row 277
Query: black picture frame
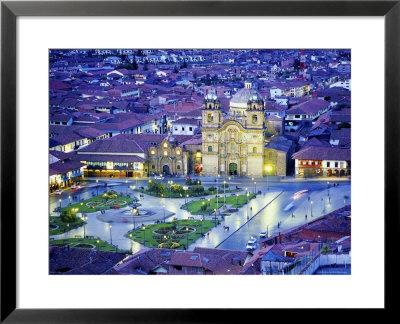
column 10, row 10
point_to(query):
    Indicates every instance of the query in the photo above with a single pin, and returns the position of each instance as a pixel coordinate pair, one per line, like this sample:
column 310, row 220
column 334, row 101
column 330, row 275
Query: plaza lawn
column 99, row 203
column 195, row 207
column 63, row 227
column 85, row 243
column 171, row 235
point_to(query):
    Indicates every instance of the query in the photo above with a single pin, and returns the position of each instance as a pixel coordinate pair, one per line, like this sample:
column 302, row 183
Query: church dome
column 241, row 98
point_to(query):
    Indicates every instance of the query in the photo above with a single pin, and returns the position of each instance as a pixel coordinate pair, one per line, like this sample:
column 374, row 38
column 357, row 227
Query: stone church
column 233, row 144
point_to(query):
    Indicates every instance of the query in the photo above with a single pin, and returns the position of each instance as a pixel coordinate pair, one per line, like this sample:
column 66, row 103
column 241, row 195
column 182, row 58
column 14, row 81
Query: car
column 58, row 192
column 251, row 246
column 160, row 177
column 74, row 187
column 252, row 240
column 263, row 234
column 299, row 194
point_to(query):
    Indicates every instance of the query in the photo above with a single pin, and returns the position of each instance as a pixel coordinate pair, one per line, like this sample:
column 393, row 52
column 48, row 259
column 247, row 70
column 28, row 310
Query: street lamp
column 69, row 198
column 110, row 234
column 267, row 169
column 98, row 245
column 133, row 218
column 311, row 208
column 217, row 190
column 255, row 187
column 215, row 219
column 328, row 188
column 224, row 192
column 130, row 236
column 247, row 202
column 187, row 238
column 136, row 180
column 60, row 204
column 164, row 211
column 84, row 219
column 201, row 226
column 126, row 182
column 144, row 236
column 237, row 195
column 97, row 186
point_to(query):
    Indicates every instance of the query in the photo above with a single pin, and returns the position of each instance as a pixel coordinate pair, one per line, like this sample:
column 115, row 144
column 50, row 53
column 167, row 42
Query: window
column 178, row 152
column 296, row 116
column 254, row 119
column 270, row 155
column 336, row 164
column 153, row 152
column 210, row 118
column 178, row 167
column 190, row 128
column 233, row 147
column 165, row 145
column 165, row 153
column 183, row 128
column 153, row 167
column 254, row 149
column 328, row 164
column 210, row 149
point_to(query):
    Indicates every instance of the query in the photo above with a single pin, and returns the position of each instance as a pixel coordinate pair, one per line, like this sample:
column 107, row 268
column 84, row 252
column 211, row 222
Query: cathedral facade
column 233, row 144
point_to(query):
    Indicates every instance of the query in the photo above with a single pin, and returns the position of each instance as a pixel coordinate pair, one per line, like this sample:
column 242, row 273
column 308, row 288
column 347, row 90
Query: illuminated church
column 234, row 144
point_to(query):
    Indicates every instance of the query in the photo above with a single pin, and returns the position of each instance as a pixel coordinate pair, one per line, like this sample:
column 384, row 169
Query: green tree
column 212, row 189
column 225, row 185
column 68, row 216
column 188, row 182
column 325, row 249
column 198, row 189
column 178, row 189
column 156, row 187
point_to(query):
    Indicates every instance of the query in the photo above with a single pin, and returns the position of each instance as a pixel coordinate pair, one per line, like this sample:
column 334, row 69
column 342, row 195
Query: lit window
column 153, row 152
column 165, row 145
column 178, row 152
column 165, row 153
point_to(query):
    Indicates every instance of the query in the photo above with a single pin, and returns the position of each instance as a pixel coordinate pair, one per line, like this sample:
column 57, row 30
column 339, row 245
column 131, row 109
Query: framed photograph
column 183, row 156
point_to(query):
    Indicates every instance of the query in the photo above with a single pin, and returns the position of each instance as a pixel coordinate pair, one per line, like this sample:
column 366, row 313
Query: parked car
column 252, row 240
column 263, row 234
column 58, row 192
column 251, row 246
column 74, row 187
column 158, row 177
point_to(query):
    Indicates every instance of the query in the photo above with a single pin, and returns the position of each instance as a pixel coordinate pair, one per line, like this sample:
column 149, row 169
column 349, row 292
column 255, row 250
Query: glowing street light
column 267, row 170
column 224, row 192
column 110, row 234
column 187, row 238
column 144, row 235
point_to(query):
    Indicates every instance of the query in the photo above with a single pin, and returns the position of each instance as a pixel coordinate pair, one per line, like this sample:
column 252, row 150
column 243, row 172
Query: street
column 277, row 202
